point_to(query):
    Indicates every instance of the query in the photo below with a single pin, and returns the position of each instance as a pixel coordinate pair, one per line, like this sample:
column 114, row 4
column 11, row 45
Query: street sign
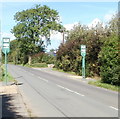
column 83, row 50
column 83, row 53
column 6, row 45
column 5, row 50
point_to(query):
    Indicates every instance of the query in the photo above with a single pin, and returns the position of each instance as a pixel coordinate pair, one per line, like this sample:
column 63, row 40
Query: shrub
column 42, row 58
column 110, row 70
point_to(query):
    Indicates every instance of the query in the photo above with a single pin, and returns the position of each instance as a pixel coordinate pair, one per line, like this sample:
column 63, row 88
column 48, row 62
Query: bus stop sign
column 83, row 50
column 6, row 45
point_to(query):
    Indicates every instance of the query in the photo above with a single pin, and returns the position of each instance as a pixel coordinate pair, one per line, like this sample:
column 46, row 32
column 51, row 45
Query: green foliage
column 40, row 65
column 104, row 85
column 68, row 55
column 102, row 51
column 33, row 25
column 42, row 58
column 1, row 73
column 110, row 70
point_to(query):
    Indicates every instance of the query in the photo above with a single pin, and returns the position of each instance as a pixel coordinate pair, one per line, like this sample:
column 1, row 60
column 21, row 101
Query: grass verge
column 104, row 85
column 2, row 75
column 60, row 70
column 37, row 65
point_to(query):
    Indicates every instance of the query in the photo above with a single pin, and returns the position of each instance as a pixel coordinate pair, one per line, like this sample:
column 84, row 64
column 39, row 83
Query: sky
column 70, row 14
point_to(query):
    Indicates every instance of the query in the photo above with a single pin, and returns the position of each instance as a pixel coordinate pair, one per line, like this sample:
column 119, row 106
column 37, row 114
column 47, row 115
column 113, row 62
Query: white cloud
column 95, row 22
column 108, row 16
column 59, row 36
column 70, row 26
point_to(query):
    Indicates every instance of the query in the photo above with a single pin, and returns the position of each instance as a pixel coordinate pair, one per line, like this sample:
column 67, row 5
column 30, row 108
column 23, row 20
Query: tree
column 68, row 55
column 109, row 55
column 33, row 25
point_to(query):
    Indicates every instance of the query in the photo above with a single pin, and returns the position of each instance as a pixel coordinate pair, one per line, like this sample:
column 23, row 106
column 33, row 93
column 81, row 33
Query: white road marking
column 70, row 90
column 43, row 79
column 32, row 74
column 79, row 94
column 60, row 86
column 113, row 108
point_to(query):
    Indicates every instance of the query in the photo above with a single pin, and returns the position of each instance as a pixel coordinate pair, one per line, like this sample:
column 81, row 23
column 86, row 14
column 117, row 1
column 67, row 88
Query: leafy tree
column 33, row 25
column 68, row 55
column 110, row 61
column 109, row 55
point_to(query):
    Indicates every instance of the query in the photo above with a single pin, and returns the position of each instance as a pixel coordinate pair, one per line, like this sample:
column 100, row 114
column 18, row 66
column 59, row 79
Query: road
column 52, row 94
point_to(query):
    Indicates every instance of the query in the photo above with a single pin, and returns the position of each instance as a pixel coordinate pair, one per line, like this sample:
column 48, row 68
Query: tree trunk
column 29, row 59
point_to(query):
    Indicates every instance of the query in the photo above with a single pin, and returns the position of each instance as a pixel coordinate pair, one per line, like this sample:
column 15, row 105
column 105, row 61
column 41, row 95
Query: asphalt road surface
column 51, row 94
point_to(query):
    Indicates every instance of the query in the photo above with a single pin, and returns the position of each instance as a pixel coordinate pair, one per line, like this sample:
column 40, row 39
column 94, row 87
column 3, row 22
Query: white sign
column 6, row 45
column 83, row 50
column 6, row 40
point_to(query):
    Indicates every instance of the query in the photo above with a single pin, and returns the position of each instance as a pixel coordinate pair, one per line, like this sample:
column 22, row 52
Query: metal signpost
column 5, row 50
column 83, row 53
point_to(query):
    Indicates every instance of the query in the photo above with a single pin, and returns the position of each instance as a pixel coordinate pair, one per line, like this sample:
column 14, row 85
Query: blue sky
column 70, row 13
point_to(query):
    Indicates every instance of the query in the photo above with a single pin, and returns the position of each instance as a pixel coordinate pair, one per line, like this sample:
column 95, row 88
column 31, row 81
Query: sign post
column 83, row 53
column 5, row 50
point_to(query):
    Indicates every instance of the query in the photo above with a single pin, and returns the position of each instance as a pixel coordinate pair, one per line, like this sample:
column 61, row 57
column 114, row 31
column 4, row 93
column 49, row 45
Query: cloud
column 59, row 36
column 95, row 22
column 70, row 26
column 109, row 16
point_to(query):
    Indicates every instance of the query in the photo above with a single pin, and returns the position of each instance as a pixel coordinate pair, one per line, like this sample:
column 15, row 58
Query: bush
column 42, row 58
column 110, row 70
column 39, row 65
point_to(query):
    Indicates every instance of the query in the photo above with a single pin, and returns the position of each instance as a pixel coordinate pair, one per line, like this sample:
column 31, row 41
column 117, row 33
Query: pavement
column 50, row 93
column 12, row 103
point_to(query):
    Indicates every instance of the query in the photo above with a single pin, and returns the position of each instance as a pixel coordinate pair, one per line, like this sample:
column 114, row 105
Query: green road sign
column 83, row 53
column 83, row 50
column 6, row 45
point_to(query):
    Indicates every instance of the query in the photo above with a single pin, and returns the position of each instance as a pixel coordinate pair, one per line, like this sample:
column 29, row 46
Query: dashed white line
column 60, row 86
column 79, row 94
column 43, row 79
column 70, row 90
column 113, row 108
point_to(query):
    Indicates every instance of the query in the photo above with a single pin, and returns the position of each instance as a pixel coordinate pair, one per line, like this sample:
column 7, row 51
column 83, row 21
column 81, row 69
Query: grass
column 9, row 78
column 60, row 70
column 2, row 75
column 104, row 85
column 37, row 65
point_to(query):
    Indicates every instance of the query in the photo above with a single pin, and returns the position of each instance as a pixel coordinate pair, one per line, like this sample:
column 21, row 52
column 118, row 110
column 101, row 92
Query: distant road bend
column 53, row 95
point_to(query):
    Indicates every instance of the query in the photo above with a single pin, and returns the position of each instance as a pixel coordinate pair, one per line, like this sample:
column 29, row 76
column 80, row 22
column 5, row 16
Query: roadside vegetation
column 2, row 75
column 33, row 29
column 104, row 85
column 102, row 58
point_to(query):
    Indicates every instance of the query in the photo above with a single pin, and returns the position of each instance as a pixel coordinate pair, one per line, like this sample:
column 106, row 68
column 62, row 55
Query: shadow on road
column 8, row 109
